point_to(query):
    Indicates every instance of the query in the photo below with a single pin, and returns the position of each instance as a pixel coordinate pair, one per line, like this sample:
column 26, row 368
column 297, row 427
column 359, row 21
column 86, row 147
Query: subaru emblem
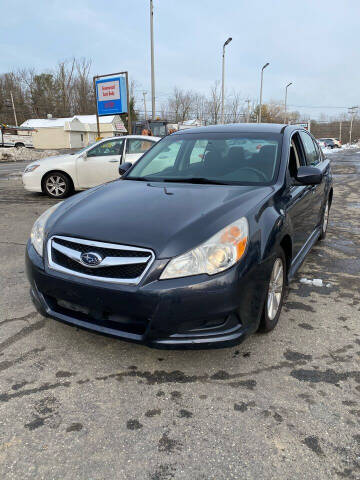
column 91, row 259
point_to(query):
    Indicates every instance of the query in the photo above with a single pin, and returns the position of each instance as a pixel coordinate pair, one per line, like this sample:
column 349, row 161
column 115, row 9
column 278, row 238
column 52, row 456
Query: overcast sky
column 313, row 43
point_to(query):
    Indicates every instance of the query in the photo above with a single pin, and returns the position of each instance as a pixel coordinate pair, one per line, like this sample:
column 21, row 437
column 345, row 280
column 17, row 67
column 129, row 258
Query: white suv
column 99, row 163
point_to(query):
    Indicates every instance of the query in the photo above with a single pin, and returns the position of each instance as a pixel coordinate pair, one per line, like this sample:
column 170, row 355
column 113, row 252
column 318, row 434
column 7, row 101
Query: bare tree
column 179, row 104
column 83, row 101
column 214, row 103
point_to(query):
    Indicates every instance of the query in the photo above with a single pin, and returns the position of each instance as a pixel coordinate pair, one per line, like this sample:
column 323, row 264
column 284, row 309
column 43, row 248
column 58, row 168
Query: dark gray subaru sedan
column 193, row 246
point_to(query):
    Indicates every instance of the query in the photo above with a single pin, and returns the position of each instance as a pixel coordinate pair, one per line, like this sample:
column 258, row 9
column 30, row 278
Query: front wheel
column 57, row 185
column 275, row 294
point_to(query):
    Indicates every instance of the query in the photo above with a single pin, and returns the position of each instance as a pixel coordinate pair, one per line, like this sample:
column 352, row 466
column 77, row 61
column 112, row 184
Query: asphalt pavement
column 75, row 405
column 9, row 168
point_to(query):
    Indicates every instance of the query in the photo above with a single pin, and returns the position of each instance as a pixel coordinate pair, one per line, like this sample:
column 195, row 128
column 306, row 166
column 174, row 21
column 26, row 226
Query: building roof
column 60, row 122
column 92, row 118
column 45, row 122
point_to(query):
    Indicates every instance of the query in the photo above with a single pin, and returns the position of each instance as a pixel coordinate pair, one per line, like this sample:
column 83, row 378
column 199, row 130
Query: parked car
column 186, row 250
column 329, row 143
column 99, row 163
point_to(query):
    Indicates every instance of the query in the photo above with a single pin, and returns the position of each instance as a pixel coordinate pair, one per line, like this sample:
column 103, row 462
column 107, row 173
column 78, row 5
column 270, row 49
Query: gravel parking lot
column 75, row 405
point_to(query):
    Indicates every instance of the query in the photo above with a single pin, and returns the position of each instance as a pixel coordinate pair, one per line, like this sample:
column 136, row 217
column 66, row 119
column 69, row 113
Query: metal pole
column 352, row 111
column 13, row 106
column 96, row 105
column 261, row 89
column 128, row 103
column 248, row 110
column 223, row 80
column 145, row 114
column 340, row 131
column 152, row 59
column 288, row 85
column 223, row 85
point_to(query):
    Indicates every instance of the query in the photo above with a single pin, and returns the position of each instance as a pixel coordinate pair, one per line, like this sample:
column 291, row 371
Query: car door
column 314, row 158
column 101, row 163
column 298, row 197
column 136, row 147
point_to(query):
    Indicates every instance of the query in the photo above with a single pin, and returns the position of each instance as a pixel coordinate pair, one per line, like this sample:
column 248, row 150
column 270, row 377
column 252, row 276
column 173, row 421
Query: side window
column 294, row 157
column 135, row 145
column 198, row 151
column 319, row 152
column 311, row 153
column 111, row 147
column 163, row 160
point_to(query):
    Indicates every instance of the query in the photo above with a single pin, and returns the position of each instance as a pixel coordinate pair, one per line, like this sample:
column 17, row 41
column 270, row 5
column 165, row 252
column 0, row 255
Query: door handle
column 113, row 161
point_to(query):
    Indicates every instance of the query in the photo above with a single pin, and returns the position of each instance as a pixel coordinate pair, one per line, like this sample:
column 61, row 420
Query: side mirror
column 309, row 175
column 124, row 167
column 83, row 155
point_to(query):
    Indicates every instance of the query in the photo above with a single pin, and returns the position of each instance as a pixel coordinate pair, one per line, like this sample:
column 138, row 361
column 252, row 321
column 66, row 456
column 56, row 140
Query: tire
column 325, row 220
column 57, row 185
column 19, row 145
column 276, row 292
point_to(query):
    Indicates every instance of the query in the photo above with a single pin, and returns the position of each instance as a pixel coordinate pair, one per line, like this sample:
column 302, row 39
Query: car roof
column 139, row 137
column 239, row 128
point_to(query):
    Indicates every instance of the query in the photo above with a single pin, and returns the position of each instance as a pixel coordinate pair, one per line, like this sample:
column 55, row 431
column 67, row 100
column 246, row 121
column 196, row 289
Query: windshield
column 239, row 159
column 83, row 149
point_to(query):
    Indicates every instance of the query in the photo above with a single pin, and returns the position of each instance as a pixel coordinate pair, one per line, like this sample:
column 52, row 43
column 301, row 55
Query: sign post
column 112, row 96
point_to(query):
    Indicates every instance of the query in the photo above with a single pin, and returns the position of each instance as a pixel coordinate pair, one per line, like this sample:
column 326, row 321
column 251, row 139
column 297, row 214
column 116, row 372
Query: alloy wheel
column 275, row 291
column 55, row 185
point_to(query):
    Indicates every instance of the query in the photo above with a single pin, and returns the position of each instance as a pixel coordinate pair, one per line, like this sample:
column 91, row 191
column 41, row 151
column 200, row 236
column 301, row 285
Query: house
column 73, row 132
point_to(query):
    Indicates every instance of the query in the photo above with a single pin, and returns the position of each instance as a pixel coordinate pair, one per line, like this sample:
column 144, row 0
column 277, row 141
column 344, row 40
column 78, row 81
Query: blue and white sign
column 111, row 96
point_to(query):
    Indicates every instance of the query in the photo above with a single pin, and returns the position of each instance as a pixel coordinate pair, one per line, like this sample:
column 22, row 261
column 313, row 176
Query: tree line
column 67, row 90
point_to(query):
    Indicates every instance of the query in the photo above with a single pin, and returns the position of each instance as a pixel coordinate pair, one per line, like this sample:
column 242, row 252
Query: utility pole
column 352, row 112
column 153, row 114
column 248, row 110
column 223, row 79
column 340, row 131
column 261, row 89
column 286, row 88
column 13, row 106
column 145, row 114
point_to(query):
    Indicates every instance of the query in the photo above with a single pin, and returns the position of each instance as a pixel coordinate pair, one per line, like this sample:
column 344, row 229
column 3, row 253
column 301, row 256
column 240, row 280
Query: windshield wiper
column 140, row 179
column 200, row 180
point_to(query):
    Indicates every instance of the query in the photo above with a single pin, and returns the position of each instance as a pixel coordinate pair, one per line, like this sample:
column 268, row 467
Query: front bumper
column 192, row 312
column 31, row 182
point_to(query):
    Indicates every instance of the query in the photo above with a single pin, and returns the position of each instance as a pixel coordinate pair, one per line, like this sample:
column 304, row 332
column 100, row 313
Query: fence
column 340, row 130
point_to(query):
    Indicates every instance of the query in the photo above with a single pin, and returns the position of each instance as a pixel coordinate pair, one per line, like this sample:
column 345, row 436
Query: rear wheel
column 19, row 145
column 275, row 293
column 325, row 221
column 57, row 185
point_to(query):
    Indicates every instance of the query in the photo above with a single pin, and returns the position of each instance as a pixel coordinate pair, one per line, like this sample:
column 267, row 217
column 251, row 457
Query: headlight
column 218, row 253
column 31, row 168
column 38, row 229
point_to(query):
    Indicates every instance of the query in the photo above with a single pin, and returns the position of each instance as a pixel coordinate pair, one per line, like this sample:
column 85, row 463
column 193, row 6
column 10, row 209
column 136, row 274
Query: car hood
column 55, row 158
column 166, row 217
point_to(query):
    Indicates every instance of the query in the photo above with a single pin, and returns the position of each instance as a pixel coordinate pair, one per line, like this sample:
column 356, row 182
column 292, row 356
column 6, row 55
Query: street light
column 223, row 79
column 261, row 89
column 152, row 59
column 287, row 86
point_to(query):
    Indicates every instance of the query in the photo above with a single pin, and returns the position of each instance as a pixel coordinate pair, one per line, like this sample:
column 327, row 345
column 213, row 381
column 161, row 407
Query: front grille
column 105, row 252
column 119, row 264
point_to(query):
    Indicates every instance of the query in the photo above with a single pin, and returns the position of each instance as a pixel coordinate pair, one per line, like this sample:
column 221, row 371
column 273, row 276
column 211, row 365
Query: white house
column 73, row 132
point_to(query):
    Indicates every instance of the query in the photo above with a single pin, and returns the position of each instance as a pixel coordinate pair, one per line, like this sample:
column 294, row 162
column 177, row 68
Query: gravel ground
column 75, row 405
